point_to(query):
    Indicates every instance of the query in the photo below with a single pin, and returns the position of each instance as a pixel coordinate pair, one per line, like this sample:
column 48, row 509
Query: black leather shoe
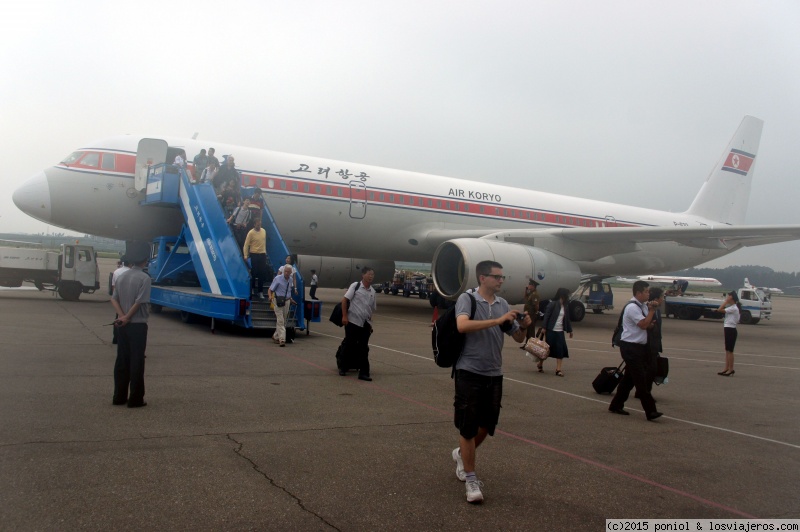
column 364, row 378
column 116, row 402
column 342, row 372
column 137, row 405
column 654, row 415
column 619, row 411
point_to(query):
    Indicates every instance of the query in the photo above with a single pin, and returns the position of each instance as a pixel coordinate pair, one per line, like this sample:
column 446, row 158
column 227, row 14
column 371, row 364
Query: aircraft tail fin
column 726, row 191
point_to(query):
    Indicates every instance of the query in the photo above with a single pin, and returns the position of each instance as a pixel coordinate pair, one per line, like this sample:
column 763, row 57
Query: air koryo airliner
column 328, row 210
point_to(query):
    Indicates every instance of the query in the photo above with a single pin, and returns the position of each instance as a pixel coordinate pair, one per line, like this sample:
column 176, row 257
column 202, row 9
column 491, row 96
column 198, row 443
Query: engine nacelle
column 337, row 272
column 454, row 264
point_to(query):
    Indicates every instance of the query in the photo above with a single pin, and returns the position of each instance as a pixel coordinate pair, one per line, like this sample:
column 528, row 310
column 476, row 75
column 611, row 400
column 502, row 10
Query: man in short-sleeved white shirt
column 636, row 319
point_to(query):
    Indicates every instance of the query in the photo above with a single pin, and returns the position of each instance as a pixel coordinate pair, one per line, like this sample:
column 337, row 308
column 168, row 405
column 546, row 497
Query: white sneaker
column 474, row 493
column 460, row 473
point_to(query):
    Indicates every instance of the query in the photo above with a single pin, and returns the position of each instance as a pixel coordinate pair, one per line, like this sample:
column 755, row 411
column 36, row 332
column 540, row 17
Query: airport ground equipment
column 756, row 305
column 594, row 295
column 71, row 272
column 201, row 272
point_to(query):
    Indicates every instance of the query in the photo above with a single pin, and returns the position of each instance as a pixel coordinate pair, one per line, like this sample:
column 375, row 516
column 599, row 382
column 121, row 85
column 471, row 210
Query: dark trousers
column 637, row 374
column 356, row 346
column 313, row 293
column 240, row 233
column 129, row 367
column 258, row 272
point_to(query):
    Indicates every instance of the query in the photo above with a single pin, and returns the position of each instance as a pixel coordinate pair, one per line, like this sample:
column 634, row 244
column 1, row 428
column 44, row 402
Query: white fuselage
column 333, row 208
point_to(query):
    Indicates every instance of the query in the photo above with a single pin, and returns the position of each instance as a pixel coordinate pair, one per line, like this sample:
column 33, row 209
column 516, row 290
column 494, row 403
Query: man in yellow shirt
column 255, row 247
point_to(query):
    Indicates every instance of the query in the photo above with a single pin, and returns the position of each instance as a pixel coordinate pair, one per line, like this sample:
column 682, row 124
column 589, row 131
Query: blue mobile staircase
column 201, row 271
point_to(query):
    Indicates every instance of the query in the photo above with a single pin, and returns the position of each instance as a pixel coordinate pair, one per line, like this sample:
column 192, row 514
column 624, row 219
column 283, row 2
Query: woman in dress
column 731, row 308
column 555, row 323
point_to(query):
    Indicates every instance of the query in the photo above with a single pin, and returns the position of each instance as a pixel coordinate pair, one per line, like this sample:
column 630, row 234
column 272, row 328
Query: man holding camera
column 478, row 371
column 636, row 319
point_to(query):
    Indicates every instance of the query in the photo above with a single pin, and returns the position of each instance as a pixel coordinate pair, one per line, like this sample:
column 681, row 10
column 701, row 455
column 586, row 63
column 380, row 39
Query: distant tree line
column 733, row 276
column 54, row 240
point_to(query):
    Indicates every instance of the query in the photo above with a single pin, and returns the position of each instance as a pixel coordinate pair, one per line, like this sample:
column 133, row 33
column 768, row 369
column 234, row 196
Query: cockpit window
column 74, row 156
column 108, row 161
column 91, row 159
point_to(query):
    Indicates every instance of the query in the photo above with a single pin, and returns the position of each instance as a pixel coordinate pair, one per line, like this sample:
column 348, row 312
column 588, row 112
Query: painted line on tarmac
column 578, row 396
column 712, row 427
column 584, row 460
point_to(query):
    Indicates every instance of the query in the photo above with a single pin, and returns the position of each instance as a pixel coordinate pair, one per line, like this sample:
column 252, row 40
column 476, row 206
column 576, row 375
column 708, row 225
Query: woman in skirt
column 555, row 323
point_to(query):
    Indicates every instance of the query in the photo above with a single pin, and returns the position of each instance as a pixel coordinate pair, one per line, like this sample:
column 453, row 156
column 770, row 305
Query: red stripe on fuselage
column 317, row 189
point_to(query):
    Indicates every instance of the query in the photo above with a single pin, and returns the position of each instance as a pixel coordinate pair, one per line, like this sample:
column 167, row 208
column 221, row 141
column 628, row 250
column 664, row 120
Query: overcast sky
column 624, row 101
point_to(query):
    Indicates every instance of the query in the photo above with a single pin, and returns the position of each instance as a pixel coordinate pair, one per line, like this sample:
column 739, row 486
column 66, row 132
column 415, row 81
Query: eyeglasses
column 497, row 277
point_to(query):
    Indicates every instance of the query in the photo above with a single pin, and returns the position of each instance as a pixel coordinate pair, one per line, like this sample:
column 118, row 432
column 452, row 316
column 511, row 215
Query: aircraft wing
column 594, row 243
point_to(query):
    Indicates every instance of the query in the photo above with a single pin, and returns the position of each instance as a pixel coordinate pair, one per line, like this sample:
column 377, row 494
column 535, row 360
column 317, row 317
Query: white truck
column 71, row 272
column 756, row 305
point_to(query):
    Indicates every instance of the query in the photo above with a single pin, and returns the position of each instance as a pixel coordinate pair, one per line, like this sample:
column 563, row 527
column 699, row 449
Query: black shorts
column 730, row 338
column 477, row 403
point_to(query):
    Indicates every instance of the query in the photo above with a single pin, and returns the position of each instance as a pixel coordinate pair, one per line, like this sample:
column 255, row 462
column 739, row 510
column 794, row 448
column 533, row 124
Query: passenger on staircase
column 257, row 199
column 255, row 248
column 210, row 172
column 289, row 264
column 239, row 222
column 200, row 162
column 230, row 173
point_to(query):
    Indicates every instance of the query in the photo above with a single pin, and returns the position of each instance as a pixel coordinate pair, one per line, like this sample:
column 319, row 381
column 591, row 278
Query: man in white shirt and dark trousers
column 636, row 319
column 358, row 305
column 479, row 369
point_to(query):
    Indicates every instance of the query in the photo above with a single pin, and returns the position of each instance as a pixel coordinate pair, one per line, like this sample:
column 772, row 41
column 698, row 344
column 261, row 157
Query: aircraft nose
column 33, row 197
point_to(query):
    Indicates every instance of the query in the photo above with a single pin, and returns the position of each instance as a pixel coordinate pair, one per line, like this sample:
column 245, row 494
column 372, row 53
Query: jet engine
column 337, row 272
column 454, row 262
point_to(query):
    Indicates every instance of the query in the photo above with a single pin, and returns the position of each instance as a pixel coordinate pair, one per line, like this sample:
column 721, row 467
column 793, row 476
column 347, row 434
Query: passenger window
column 91, row 159
column 108, row 161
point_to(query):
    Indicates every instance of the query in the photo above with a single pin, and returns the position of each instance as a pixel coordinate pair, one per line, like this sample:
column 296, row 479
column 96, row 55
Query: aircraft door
column 149, row 153
column 358, row 200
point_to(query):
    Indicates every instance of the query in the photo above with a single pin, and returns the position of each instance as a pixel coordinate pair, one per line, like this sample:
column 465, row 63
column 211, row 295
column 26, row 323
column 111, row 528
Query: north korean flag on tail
column 738, row 162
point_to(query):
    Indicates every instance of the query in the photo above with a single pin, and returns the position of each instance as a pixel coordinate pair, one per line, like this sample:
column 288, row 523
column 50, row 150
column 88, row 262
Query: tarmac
column 240, row 434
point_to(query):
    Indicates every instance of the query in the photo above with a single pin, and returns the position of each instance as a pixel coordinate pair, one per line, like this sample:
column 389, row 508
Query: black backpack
column 446, row 341
column 617, row 336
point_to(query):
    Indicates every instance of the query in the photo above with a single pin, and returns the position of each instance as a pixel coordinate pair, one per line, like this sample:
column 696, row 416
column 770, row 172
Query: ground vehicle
column 416, row 285
column 755, row 303
column 71, row 272
column 595, row 296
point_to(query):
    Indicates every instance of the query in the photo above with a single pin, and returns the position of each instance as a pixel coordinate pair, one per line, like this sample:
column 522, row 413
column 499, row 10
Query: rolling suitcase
column 607, row 380
column 345, row 362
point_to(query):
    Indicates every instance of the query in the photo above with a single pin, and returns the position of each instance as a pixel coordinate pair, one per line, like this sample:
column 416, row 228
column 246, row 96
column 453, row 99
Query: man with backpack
column 358, row 306
column 637, row 317
column 478, row 371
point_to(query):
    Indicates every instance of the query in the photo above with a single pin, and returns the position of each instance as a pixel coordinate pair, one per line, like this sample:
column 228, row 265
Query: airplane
column 705, row 282
column 768, row 291
column 329, row 211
